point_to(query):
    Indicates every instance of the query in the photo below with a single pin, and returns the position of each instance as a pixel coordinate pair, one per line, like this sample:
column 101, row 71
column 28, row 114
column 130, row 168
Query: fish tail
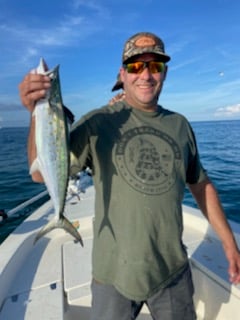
column 68, row 227
column 62, row 223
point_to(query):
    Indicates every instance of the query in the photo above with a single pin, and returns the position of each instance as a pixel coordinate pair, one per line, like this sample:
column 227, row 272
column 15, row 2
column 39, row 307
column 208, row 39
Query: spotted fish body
column 52, row 145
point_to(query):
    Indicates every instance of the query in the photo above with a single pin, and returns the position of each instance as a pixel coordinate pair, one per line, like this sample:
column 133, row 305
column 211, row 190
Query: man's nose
column 146, row 74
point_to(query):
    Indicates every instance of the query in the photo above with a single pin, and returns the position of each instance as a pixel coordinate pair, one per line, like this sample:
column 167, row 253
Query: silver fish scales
column 52, row 144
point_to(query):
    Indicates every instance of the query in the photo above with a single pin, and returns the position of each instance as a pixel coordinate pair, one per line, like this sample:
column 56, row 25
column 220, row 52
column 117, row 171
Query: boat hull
column 51, row 280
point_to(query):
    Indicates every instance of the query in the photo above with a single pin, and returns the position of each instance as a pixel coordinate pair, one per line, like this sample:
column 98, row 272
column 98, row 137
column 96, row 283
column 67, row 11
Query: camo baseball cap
column 144, row 42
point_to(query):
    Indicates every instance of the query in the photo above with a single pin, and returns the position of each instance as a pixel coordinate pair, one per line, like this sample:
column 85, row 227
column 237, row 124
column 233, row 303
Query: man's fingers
column 32, row 88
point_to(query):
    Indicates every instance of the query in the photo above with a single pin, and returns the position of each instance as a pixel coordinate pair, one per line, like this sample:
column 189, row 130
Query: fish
column 52, row 148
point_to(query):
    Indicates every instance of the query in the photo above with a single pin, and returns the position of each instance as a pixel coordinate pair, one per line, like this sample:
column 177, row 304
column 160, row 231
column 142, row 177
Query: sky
column 86, row 38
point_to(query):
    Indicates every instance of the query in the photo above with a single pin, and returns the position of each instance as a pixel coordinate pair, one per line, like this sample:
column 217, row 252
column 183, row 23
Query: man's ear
column 121, row 73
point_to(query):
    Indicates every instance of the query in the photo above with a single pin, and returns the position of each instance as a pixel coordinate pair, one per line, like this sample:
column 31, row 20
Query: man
column 141, row 156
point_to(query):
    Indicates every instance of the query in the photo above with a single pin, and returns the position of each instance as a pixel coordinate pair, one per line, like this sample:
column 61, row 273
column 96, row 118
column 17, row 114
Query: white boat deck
column 51, row 280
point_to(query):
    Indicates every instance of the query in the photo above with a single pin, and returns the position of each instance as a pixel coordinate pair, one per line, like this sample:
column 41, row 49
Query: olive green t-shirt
column 141, row 162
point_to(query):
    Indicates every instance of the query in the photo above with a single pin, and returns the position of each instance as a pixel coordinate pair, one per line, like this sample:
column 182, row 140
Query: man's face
column 143, row 89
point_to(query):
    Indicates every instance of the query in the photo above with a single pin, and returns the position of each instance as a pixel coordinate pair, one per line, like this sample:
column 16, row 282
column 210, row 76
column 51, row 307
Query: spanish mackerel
column 52, row 145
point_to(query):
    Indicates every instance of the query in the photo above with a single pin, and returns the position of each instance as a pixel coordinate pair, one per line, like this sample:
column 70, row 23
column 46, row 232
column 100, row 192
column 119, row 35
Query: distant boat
column 51, row 280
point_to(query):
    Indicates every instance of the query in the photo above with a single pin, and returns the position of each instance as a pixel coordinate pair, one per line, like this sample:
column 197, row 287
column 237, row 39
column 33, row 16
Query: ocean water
column 16, row 185
column 218, row 144
column 219, row 148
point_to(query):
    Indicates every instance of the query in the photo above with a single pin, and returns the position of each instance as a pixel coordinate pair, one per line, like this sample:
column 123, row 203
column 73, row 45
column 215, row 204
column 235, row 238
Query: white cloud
column 60, row 34
column 228, row 111
column 31, row 39
column 74, row 25
column 92, row 6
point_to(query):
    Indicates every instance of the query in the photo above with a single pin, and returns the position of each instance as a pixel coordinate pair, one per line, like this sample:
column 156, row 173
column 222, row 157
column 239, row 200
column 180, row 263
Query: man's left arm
column 208, row 201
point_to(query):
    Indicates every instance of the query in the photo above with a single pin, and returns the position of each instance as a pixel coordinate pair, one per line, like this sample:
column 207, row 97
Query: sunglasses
column 139, row 66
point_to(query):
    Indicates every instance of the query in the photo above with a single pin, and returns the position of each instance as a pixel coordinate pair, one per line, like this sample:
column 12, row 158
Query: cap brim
column 164, row 57
column 118, row 85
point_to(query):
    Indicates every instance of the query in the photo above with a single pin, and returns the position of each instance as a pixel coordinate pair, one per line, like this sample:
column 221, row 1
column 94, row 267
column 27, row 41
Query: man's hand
column 233, row 257
column 33, row 88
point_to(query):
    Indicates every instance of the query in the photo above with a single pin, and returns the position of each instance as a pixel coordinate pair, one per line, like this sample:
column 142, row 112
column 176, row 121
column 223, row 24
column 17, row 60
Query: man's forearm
column 208, row 201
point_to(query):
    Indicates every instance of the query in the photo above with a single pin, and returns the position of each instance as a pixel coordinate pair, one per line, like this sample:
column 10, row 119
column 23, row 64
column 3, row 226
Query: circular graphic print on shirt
column 147, row 159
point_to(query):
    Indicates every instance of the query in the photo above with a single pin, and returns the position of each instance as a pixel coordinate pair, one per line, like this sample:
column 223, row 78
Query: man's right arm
column 31, row 89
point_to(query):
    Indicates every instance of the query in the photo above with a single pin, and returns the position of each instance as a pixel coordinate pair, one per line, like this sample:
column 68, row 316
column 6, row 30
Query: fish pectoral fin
column 62, row 223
